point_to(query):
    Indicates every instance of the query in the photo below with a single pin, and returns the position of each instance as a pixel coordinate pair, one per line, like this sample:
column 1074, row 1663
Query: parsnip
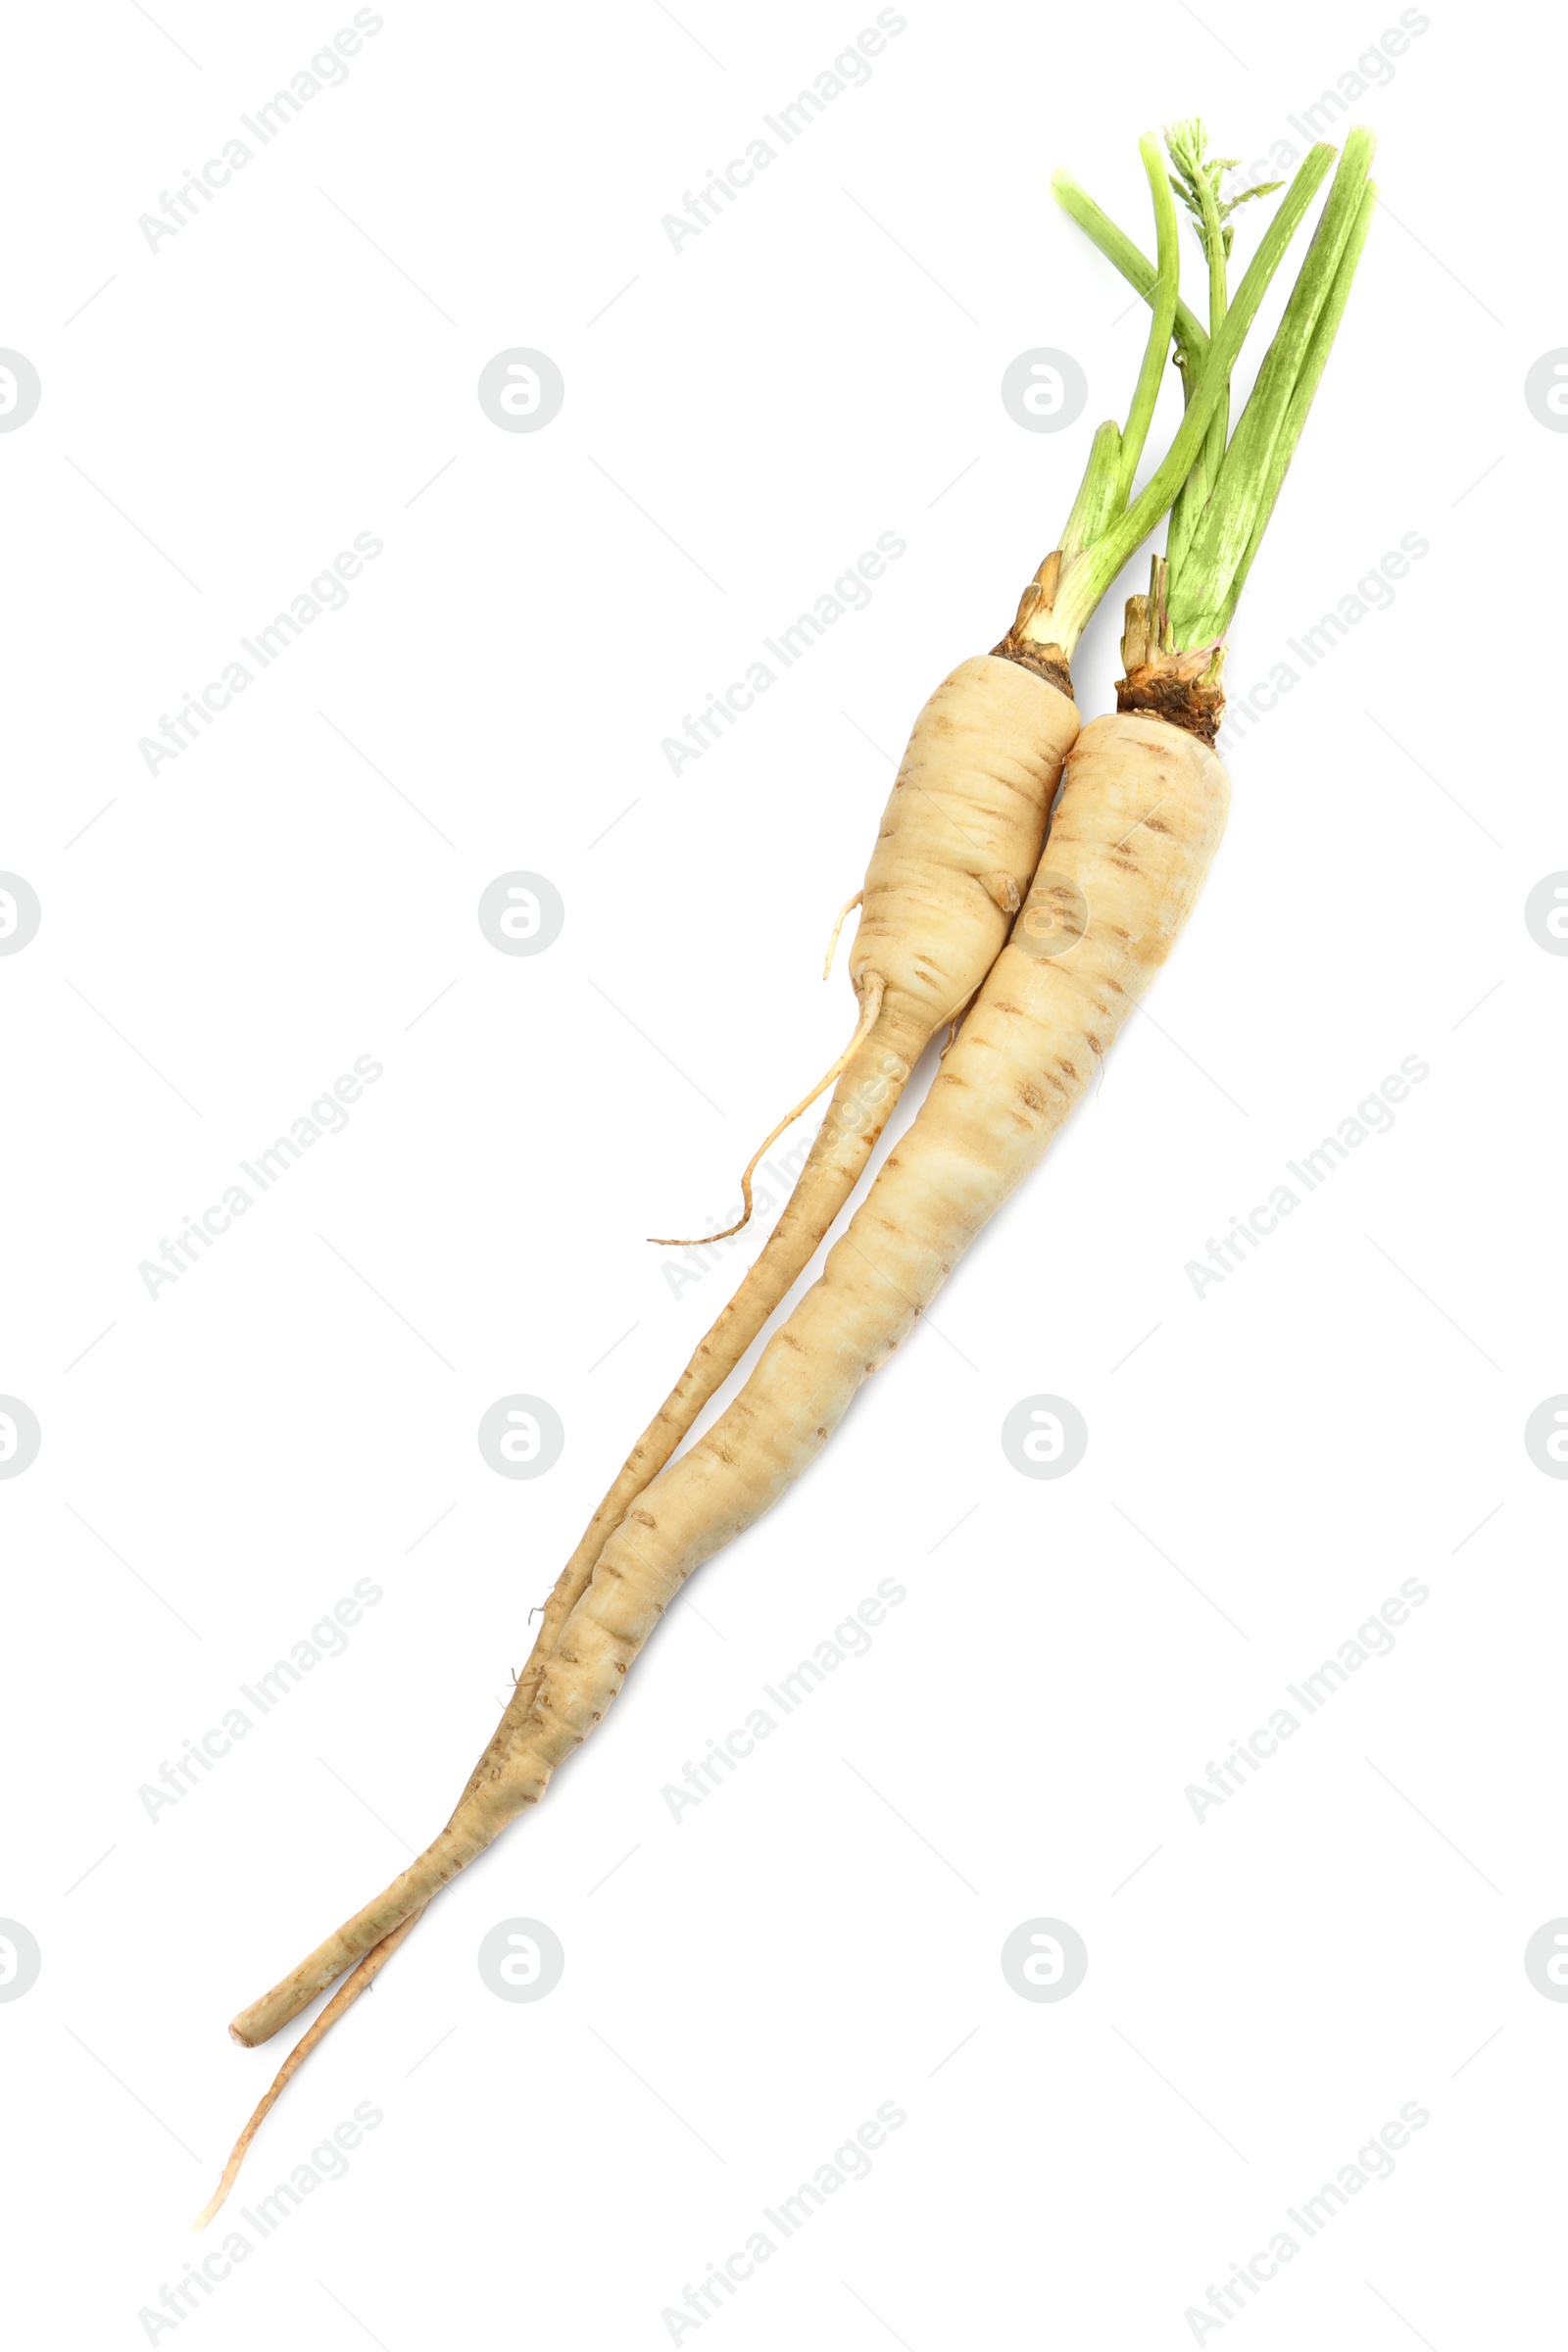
column 1050, row 613
column 1140, row 813
column 957, row 846
column 905, row 897
column 1140, row 816
column 959, row 843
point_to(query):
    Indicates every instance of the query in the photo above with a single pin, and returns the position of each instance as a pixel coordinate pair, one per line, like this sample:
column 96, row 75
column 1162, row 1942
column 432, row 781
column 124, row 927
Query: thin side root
column 847, row 907
column 871, row 1005
column 346, row 1995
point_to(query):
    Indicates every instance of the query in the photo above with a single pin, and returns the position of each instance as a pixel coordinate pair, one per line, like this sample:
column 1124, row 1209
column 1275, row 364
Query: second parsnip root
column 957, row 846
column 1141, row 814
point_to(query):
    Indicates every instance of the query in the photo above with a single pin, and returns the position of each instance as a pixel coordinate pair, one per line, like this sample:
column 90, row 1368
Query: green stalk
column 1163, row 304
column 1193, row 493
column 1187, row 506
column 1084, row 583
column 1199, row 179
column 1096, row 503
column 1199, row 586
column 1191, row 343
column 1115, row 452
column 1301, row 402
column 1214, row 248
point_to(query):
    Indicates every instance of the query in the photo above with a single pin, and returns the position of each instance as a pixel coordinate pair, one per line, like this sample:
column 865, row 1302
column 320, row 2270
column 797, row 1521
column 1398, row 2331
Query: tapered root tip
column 213, row 2203
column 231, row 2168
column 696, row 1241
column 347, row 1995
column 873, row 991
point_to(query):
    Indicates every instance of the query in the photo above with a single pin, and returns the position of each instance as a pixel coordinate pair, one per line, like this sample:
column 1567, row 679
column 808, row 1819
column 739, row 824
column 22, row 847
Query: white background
column 220, row 1463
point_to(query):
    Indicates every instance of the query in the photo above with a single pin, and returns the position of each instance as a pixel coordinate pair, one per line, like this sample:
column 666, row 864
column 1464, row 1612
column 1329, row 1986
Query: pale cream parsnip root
column 1141, row 814
column 957, row 849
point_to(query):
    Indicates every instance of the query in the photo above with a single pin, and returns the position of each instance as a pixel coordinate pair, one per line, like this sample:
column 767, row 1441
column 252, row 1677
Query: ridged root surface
column 1141, row 814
